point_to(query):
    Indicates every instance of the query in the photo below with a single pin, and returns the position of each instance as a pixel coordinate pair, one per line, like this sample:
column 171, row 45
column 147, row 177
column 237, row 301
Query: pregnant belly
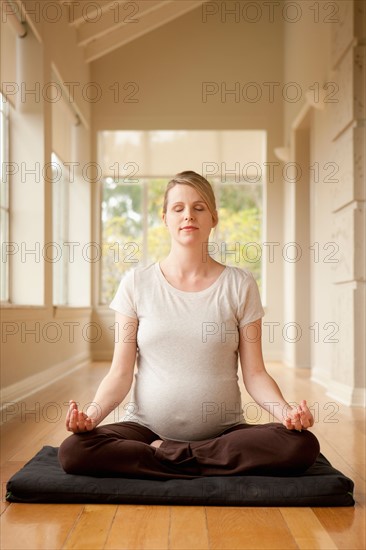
column 187, row 413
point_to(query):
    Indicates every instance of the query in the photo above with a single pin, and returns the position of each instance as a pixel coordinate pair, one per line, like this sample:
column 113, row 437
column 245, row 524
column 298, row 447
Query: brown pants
column 123, row 449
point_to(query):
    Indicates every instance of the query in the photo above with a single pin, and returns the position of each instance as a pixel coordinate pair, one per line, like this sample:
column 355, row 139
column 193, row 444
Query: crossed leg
column 125, row 448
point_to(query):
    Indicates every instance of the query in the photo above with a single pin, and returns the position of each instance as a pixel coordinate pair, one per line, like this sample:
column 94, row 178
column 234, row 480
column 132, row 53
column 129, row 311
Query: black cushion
column 43, row 480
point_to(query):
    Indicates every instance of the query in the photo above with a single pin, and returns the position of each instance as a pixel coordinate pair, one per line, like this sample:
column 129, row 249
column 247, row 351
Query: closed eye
column 199, row 209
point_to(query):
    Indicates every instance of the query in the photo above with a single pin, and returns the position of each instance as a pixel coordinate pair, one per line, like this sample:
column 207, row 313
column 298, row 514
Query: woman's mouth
column 189, row 228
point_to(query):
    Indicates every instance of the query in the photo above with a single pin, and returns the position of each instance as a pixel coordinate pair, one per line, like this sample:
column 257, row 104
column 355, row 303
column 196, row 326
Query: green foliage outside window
column 133, row 233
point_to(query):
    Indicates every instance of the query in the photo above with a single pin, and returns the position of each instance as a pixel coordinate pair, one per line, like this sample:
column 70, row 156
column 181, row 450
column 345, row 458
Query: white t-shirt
column 186, row 383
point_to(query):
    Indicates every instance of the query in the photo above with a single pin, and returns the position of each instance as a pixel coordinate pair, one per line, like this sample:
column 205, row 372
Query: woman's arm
column 115, row 385
column 261, row 386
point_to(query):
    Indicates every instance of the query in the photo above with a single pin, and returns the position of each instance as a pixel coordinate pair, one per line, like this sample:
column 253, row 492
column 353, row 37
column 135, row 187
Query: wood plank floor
column 39, row 420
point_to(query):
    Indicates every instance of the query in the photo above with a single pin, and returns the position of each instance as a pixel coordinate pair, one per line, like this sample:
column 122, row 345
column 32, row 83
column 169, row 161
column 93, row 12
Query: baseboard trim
column 22, row 389
column 347, row 395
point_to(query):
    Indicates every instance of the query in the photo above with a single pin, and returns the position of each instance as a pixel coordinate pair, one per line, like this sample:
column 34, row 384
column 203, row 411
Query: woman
column 187, row 319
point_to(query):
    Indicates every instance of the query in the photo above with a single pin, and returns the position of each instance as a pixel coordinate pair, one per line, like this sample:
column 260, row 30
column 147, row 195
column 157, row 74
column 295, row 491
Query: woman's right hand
column 299, row 418
column 77, row 421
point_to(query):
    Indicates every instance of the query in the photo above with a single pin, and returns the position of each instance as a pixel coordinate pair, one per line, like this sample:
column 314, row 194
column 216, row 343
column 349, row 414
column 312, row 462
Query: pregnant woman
column 185, row 321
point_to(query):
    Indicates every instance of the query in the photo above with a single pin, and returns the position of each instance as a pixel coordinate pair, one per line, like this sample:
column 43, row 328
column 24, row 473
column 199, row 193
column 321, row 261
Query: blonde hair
column 200, row 184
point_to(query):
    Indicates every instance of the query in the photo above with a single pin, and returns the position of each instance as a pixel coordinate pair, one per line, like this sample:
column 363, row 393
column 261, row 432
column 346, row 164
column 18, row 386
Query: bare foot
column 156, row 443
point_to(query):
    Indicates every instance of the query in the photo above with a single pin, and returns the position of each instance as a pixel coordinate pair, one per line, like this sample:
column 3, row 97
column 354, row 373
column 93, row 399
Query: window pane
column 3, row 158
column 236, row 241
column 4, row 198
column 157, row 234
column 60, row 232
column 122, row 208
column 127, row 241
column 238, row 235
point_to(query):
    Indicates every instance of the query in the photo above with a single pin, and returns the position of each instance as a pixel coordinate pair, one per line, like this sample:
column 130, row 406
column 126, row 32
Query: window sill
column 11, row 312
column 63, row 312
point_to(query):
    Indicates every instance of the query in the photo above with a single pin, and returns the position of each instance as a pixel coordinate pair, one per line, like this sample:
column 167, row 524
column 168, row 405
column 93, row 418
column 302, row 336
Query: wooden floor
column 39, row 420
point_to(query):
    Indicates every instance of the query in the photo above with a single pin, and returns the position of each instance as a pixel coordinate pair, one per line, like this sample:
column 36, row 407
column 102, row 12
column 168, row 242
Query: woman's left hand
column 299, row 418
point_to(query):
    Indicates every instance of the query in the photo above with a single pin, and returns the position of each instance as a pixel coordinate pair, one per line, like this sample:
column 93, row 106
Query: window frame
column 5, row 196
column 61, row 187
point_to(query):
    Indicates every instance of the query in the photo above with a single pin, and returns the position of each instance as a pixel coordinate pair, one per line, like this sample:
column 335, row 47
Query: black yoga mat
column 43, row 480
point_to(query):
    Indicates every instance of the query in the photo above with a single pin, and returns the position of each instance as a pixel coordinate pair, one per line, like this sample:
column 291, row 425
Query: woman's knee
column 307, row 449
column 71, row 454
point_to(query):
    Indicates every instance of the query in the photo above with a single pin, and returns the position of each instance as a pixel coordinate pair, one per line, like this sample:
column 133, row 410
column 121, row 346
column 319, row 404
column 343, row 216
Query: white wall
column 334, row 59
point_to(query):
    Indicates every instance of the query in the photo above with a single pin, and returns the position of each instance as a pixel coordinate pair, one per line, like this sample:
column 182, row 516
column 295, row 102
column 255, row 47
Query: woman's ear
column 163, row 217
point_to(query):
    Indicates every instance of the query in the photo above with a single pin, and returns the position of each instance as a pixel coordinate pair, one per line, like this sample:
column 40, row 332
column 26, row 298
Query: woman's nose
column 188, row 216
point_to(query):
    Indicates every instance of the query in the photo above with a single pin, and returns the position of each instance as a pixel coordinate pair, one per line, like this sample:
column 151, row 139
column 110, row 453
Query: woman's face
column 187, row 217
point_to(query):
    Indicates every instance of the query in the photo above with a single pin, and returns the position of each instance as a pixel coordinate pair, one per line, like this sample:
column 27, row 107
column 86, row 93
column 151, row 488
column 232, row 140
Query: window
column 24, row 67
column 60, row 230
column 72, row 252
column 238, row 236
column 4, row 198
column 133, row 190
column 132, row 230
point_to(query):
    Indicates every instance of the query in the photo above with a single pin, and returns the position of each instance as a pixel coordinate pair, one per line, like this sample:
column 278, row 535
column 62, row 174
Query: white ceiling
column 105, row 25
